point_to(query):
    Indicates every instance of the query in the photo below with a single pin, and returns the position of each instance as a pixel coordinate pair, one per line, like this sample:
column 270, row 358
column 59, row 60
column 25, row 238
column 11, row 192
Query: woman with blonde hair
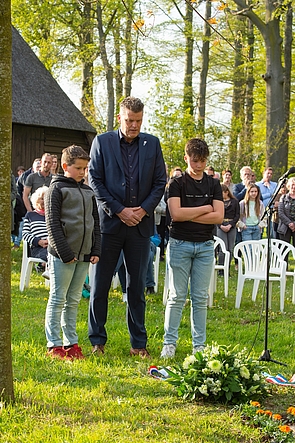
column 251, row 211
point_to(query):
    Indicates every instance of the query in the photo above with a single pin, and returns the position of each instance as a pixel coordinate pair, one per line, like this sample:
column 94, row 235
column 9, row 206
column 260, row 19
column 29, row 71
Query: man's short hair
column 72, row 153
column 132, row 103
column 46, row 154
column 197, row 148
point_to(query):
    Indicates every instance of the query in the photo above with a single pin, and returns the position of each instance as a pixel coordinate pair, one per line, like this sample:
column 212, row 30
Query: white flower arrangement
column 219, row 373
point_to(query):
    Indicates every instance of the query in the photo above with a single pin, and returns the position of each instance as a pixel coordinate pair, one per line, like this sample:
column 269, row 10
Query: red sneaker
column 74, row 352
column 57, row 352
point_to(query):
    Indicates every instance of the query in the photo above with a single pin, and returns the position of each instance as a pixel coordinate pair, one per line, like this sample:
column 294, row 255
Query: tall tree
column 249, row 93
column 276, row 122
column 6, row 378
column 238, row 97
column 204, row 70
column 87, row 58
column 103, row 31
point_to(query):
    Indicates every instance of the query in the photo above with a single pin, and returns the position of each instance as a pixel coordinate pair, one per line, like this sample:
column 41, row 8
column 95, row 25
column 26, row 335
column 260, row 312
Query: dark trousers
column 136, row 252
column 287, row 238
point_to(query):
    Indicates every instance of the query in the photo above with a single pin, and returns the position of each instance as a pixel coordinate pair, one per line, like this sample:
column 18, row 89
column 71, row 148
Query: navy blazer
column 107, row 178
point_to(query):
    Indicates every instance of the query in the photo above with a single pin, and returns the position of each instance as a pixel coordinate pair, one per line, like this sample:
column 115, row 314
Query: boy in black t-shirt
column 196, row 205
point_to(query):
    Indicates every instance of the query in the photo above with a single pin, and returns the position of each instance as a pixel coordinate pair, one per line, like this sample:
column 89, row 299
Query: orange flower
column 285, row 428
column 212, row 21
column 277, row 417
column 260, row 411
column 291, row 410
column 138, row 24
column 269, row 413
column 255, row 403
column 222, row 6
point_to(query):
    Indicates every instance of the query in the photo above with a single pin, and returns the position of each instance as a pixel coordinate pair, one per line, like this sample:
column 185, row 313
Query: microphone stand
column 265, row 356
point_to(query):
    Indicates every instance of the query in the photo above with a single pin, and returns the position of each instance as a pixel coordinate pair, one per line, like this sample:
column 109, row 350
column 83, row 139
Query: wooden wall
column 30, row 142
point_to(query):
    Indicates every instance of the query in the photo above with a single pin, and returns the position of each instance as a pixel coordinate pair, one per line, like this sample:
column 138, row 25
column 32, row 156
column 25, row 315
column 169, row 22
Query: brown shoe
column 142, row 352
column 98, row 349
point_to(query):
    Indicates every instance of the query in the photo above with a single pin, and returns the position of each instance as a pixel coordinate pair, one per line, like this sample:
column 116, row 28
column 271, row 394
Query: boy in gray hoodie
column 73, row 242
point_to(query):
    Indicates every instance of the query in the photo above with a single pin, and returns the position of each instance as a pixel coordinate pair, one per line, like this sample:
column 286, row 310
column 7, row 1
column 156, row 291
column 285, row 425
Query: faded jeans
column 251, row 233
column 66, row 282
column 194, row 261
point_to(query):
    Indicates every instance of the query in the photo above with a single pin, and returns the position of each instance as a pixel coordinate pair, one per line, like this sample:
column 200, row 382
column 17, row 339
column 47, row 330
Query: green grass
column 112, row 398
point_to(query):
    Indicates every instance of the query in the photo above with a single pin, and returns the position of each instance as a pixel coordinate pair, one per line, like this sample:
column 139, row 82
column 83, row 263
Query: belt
column 227, row 219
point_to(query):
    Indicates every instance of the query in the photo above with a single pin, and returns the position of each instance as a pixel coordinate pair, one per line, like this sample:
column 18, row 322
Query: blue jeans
column 194, row 261
column 66, row 283
column 150, row 278
column 17, row 239
column 251, row 233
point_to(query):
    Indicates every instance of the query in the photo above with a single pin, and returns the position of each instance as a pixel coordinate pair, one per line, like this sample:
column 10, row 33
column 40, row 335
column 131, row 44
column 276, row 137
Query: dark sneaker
column 57, row 352
column 74, row 352
column 142, row 352
column 150, row 290
column 98, row 349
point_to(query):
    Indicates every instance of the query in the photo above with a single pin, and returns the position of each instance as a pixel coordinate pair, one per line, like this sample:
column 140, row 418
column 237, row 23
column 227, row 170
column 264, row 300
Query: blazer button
column 123, row 184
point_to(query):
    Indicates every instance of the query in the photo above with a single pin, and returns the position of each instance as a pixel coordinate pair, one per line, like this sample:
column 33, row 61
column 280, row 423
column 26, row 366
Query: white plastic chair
column 285, row 249
column 219, row 243
column 27, row 266
column 252, row 264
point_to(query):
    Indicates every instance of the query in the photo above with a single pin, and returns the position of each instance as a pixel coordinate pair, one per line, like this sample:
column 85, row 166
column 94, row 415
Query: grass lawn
column 112, row 398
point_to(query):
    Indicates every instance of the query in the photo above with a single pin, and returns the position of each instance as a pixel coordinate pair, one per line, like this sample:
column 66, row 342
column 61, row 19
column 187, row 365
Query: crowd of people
column 109, row 210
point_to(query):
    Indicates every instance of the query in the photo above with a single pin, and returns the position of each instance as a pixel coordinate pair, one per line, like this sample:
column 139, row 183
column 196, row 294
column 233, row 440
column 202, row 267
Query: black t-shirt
column 194, row 193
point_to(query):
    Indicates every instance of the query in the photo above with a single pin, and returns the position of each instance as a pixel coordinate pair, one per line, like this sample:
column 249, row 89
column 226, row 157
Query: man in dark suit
column 127, row 173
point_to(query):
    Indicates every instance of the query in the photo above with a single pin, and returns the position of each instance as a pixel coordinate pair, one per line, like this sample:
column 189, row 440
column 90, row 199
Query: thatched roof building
column 44, row 119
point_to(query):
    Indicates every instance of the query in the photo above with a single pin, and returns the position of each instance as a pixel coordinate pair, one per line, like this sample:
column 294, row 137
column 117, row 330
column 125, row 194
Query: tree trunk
column 249, row 100
column 288, row 67
column 188, row 76
column 6, row 378
column 128, row 49
column 204, row 71
column 107, row 68
column 87, row 102
column 236, row 148
column 118, row 75
column 276, row 145
column 276, row 134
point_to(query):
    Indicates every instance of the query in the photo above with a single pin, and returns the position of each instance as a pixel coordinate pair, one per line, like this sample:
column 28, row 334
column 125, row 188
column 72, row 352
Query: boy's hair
column 132, row 103
column 197, row 148
column 72, row 153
